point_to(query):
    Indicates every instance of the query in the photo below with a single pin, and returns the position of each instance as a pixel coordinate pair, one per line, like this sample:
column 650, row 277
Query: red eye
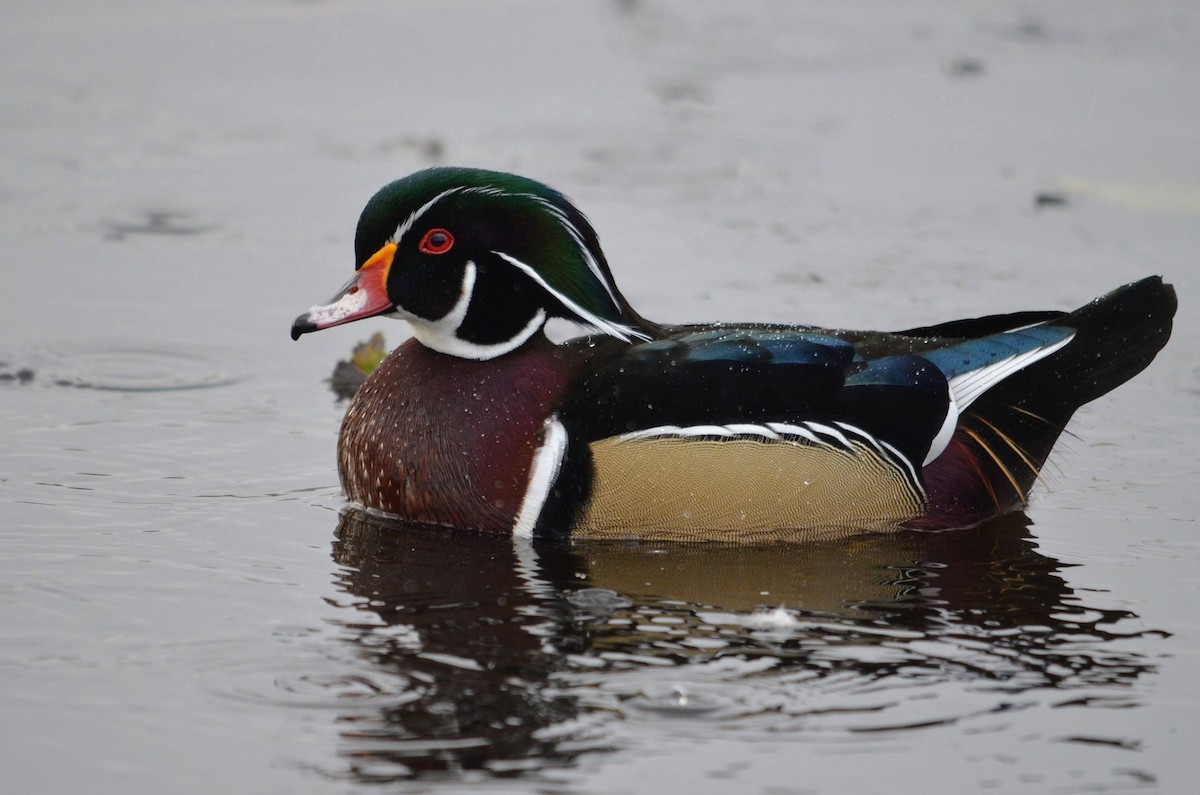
column 436, row 241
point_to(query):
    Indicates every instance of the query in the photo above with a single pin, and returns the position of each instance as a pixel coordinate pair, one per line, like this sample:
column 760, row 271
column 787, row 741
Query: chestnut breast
column 438, row 439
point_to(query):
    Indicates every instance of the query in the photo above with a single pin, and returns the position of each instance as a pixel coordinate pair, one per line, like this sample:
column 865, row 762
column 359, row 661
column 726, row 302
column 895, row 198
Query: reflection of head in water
column 501, row 647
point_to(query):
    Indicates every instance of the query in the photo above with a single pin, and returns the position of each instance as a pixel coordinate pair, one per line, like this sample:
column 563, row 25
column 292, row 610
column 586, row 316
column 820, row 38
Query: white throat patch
column 442, row 334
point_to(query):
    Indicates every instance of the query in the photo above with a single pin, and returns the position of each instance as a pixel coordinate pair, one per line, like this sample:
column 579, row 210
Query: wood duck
column 734, row 432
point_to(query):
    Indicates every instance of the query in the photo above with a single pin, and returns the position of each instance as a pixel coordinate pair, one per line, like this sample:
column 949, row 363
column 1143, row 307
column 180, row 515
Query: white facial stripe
column 442, row 334
column 593, row 266
column 618, row 330
column 572, row 230
column 543, row 471
column 404, row 228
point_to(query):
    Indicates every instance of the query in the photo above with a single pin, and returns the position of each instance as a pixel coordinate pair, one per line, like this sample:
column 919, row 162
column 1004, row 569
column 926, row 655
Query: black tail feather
column 1005, row 437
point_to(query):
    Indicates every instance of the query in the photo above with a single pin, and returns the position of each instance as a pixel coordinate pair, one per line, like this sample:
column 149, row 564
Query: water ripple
column 125, row 367
column 302, row 677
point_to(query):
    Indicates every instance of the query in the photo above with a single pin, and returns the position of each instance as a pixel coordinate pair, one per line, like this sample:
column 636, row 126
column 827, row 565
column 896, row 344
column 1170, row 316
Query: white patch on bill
column 327, row 314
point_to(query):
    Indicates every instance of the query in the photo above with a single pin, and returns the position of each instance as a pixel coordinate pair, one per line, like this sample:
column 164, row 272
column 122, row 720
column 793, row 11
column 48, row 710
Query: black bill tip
column 302, row 325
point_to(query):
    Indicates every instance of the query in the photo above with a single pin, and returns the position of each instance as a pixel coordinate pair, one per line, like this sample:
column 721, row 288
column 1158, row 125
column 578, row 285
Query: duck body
column 735, row 432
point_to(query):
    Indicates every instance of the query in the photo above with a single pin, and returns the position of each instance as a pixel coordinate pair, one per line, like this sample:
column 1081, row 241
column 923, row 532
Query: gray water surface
column 185, row 606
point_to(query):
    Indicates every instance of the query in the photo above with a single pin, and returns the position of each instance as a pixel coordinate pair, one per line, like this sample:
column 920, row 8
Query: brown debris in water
column 348, row 375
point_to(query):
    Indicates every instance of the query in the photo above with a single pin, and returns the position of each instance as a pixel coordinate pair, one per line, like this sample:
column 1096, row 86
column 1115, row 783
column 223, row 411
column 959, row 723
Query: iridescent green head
column 477, row 261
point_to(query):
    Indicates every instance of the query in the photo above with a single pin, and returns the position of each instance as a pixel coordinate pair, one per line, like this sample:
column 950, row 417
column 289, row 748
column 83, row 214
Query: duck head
column 477, row 262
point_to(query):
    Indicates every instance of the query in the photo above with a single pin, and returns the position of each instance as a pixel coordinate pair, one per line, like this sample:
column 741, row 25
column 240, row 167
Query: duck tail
column 1004, row 437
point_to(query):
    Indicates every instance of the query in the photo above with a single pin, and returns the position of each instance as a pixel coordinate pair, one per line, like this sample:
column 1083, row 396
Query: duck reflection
column 498, row 642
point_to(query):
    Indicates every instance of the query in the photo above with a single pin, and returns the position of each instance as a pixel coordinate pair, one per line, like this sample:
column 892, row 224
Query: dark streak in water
column 156, row 222
column 22, row 376
column 1126, row 745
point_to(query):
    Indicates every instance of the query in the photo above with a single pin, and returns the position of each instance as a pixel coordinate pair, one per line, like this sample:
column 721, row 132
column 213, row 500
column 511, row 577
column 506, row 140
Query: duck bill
column 365, row 295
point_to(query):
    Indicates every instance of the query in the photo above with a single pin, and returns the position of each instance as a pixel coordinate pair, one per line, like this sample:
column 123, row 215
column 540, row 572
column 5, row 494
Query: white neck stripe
column 442, row 334
column 572, row 230
column 618, row 330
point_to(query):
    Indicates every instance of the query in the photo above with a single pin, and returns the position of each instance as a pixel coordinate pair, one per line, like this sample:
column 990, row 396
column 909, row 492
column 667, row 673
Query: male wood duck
column 735, row 432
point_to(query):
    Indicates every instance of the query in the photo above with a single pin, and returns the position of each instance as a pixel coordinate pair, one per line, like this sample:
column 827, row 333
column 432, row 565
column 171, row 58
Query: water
column 186, row 607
